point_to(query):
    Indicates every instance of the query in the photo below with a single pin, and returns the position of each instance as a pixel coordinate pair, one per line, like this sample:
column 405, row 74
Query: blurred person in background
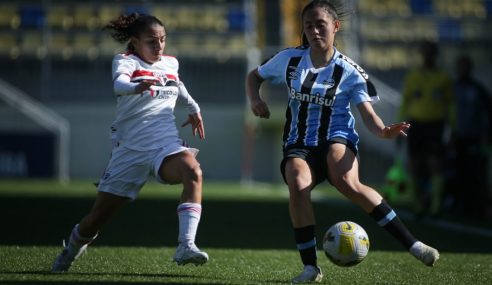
column 145, row 139
column 471, row 137
column 320, row 141
column 427, row 104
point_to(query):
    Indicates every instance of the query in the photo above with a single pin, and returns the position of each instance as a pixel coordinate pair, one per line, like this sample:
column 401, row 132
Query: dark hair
column 127, row 26
column 337, row 9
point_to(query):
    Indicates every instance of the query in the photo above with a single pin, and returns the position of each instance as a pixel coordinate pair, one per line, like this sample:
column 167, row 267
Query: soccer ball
column 346, row 243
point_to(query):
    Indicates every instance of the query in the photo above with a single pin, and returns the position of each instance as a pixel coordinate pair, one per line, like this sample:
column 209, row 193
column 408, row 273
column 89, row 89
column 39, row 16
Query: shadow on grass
column 29, row 277
column 37, row 282
column 225, row 224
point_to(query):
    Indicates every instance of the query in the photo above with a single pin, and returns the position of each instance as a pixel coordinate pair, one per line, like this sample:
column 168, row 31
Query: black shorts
column 315, row 156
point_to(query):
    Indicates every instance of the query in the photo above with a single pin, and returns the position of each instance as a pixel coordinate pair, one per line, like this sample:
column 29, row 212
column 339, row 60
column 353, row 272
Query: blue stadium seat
column 238, row 20
column 450, row 30
column 488, row 5
column 421, row 6
column 32, row 17
column 135, row 9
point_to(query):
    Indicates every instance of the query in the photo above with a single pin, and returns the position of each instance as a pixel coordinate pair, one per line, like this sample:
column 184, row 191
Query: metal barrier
column 44, row 117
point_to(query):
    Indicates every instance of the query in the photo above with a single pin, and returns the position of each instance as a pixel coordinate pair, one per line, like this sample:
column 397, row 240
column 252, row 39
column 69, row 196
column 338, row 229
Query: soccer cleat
column 65, row 259
column 190, row 254
column 310, row 274
column 424, row 253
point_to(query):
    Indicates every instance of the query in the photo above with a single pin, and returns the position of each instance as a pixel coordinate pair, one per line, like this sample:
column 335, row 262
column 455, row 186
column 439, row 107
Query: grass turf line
column 129, row 252
column 137, row 265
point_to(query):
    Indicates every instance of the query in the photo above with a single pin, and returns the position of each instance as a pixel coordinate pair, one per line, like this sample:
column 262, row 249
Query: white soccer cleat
column 424, row 253
column 190, row 254
column 310, row 274
column 65, row 259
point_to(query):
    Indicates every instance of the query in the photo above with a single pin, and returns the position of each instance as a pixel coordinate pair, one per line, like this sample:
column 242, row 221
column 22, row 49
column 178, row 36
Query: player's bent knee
column 194, row 173
column 299, row 182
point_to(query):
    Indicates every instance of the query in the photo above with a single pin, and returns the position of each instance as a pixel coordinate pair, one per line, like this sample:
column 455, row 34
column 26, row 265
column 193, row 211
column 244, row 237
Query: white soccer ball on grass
column 346, row 243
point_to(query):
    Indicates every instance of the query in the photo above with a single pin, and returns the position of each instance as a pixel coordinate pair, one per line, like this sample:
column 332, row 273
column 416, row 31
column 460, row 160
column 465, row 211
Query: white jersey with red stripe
column 146, row 121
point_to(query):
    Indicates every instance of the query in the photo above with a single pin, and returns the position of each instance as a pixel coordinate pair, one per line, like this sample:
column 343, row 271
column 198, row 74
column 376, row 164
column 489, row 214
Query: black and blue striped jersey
column 319, row 98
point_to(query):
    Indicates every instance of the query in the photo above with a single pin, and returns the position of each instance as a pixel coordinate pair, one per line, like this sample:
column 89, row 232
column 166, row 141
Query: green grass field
column 245, row 230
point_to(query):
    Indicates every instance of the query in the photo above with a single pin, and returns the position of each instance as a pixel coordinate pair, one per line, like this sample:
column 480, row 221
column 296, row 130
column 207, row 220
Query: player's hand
column 145, row 85
column 395, row 130
column 196, row 122
column 260, row 109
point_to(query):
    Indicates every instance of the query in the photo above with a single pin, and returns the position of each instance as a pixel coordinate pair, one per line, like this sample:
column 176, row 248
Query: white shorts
column 128, row 170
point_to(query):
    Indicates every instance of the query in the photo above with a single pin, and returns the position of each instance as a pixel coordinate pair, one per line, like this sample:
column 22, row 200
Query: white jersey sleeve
column 122, row 85
column 123, row 64
column 185, row 97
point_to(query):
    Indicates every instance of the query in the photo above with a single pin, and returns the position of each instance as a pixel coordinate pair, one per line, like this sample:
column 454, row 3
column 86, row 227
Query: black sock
column 386, row 218
column 306, row 244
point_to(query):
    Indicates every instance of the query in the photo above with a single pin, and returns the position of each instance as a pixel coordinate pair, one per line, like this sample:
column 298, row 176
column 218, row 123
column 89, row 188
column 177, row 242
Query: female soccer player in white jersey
column 145, row 139
column 320, row 141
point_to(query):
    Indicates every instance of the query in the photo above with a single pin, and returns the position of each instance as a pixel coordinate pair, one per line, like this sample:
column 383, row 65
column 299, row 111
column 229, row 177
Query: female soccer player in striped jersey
column 320, row 141
column 145, row 139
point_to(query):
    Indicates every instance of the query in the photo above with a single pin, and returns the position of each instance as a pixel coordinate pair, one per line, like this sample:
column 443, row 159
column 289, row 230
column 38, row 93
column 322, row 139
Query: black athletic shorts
column 315, row 156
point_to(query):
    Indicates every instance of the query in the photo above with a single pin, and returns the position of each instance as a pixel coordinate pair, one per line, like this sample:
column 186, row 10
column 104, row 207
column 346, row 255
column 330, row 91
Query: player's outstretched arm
column 123, row 86
column 258, row 106
column 374, row 123
column 145, row 85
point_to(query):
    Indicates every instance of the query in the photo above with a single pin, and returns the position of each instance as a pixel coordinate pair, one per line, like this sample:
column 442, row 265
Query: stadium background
column 55, row 75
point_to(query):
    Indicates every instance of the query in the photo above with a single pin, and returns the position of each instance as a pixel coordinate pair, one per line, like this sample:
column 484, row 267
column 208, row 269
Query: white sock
column 189, row 217
column 76, row 241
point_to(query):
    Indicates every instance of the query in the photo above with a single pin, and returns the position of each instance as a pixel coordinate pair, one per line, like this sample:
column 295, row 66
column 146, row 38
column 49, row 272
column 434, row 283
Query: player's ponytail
column 126, row 26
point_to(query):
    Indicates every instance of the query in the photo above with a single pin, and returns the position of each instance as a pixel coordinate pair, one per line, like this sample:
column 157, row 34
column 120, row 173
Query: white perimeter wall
column 221, row 154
